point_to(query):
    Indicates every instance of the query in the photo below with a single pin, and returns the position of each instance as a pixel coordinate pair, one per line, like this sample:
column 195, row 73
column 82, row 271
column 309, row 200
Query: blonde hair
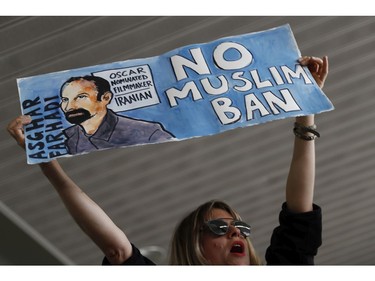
column 186, row 242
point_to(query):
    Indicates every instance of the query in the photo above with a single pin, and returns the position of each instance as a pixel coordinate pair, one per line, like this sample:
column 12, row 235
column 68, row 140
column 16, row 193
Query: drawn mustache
column 77, row 116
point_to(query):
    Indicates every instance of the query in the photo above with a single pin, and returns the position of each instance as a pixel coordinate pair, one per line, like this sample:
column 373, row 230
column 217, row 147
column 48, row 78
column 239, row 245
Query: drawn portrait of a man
column 84, row 101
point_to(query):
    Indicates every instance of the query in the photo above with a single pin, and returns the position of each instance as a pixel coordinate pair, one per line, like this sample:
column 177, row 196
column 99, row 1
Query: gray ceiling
column 146, row 190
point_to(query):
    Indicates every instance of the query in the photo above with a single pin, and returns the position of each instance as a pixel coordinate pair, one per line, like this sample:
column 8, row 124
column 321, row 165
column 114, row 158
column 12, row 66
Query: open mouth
column 238, row 247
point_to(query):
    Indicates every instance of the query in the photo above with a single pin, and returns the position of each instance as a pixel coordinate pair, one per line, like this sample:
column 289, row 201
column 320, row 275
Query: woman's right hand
column 15, row 129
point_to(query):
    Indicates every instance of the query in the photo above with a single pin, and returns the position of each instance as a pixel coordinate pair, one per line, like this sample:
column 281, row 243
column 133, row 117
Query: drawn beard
column 77, row 116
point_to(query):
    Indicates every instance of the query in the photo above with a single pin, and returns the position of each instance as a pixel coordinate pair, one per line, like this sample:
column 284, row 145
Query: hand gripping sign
column 196, row 90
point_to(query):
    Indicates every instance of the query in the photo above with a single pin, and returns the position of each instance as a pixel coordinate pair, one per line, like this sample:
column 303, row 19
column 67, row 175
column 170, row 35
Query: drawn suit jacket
column 115, row 131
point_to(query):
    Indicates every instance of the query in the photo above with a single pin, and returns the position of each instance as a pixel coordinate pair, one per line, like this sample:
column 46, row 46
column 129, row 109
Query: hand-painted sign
column 193, row 91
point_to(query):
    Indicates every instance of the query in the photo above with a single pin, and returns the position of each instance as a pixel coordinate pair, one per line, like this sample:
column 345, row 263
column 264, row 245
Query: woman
column 214, row 232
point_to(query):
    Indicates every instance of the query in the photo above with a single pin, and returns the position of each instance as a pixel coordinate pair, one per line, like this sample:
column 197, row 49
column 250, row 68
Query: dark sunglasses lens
column 218, row 227
column 243, row 227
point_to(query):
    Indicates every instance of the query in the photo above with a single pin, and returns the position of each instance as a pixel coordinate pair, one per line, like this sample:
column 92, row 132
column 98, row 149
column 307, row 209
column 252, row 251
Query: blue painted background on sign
column 245, row 80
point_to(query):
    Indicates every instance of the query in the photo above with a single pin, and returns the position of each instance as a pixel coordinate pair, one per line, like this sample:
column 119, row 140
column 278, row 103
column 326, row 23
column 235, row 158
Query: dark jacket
column 297, row 239
column 115, row 131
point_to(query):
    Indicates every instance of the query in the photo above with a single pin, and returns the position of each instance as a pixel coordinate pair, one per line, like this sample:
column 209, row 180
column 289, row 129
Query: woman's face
column 228, row 249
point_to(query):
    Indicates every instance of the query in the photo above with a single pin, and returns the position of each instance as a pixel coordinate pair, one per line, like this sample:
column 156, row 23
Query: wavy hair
column 186, row 243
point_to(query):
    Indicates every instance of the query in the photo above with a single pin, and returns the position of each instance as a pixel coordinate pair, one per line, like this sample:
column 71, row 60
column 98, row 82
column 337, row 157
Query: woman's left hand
column 318, row 68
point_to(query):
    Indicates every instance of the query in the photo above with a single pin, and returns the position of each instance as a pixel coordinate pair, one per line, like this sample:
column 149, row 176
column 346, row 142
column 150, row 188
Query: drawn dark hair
column 101, row 84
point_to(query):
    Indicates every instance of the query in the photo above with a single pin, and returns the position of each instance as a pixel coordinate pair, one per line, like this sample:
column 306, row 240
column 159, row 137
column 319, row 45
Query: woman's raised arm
column 88, row 215
column 301, row 178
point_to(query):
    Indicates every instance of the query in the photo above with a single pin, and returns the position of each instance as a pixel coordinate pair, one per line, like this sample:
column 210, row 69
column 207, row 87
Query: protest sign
column 193, row 91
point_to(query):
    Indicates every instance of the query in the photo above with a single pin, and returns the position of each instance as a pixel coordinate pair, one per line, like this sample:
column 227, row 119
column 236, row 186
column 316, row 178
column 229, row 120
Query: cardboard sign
column 193, row 91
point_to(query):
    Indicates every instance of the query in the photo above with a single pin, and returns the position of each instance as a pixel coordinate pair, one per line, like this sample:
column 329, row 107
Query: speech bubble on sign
column 133, row 87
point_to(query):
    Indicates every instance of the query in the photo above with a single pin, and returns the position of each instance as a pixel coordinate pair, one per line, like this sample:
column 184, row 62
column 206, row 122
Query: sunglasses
column 221, row 227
